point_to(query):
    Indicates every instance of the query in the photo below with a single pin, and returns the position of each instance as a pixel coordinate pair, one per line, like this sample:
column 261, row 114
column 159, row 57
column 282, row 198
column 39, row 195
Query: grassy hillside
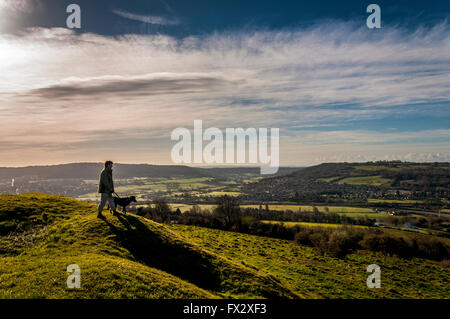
column 305, row 272
column 131, row 257
column 120, row 257
column 355, row 180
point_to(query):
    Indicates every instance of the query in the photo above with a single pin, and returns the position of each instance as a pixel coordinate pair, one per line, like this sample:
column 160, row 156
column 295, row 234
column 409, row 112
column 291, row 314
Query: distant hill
column 132, row 257
column 92, row 170
column 357, row 180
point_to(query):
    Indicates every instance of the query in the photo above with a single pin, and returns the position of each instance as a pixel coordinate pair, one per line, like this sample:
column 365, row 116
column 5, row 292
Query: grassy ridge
column 365, row 180
column 352, row 180
column 114, row 255
column 43, row 275
column 131, row 257
column 305, row 272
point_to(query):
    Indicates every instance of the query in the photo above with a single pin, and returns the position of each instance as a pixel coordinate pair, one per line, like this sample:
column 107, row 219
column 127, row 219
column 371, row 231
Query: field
column 365, row 180
column 394, row 231
column 328, row 179
column 314, row 276
column 378, row 168
column 188, row 180
column 222, row 193
column 145, row 188
column 347, row 210
column 131, row 257
column 393, row 201
column 342, row 183
column 306, row 224
column 120, row 257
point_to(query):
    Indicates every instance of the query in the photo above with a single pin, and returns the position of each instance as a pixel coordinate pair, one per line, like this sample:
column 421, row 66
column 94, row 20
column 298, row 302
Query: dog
column 124, row 202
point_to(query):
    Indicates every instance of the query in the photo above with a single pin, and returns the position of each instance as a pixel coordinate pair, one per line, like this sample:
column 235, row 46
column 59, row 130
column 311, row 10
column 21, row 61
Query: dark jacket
column 106, row 184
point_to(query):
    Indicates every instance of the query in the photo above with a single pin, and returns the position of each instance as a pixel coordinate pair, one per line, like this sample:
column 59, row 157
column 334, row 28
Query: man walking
column 106, row 188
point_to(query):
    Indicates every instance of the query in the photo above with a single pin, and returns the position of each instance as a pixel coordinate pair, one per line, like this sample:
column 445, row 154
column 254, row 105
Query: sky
column 117, row 87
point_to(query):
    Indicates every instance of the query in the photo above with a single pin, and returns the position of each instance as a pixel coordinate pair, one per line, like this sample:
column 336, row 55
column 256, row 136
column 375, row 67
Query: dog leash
column 116, row 194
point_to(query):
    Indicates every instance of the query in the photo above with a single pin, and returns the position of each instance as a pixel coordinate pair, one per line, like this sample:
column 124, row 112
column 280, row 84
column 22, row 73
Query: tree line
column 336, row 241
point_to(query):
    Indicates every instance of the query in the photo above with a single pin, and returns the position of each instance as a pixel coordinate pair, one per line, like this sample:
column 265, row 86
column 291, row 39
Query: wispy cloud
column 146, row 18
column 366, row 137
column 19, row 5
column 145, row 85
column 55, row 79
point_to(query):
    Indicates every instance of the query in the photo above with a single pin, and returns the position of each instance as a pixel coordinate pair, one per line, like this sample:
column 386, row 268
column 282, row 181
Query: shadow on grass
column 150, row 249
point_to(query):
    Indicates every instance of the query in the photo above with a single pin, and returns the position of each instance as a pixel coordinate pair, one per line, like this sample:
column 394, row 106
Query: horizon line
column 226, row 166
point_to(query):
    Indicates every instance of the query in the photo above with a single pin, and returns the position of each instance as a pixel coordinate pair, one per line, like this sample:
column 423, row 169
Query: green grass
column 229, row 183
column 365, row 180
column 413, row 233
column 132, row 189
column 370, row 215
column 222, row 193
column 131, row 257
column 328, row 179
column 120, row 257
column 307, row 224
column 394, row 201
column 148, row 187
column 29, row 276
column 372, row 168
column 314, row 276
column 253, row 179
column 393, row 231
column 188, row 180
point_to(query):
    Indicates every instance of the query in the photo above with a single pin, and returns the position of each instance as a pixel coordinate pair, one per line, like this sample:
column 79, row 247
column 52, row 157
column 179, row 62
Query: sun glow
column 10, row 54
column 14, row 58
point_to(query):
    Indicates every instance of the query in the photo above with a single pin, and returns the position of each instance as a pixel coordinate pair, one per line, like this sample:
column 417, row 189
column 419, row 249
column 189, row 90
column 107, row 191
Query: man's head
column 108, row 165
